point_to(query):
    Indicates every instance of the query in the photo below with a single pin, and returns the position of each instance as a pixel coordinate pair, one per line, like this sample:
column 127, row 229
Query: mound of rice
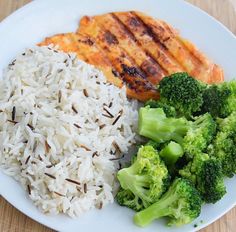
column 62, row 128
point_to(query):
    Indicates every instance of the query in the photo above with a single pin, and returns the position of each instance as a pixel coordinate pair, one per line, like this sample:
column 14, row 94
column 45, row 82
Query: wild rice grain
column 95, row 154
column 85, row 93
column 12, row 121
column 86, row 148
column 49, row 175
column 73, row 181
column 27, row 160
column 59, row 96
column 47, row 146
column 59, row 194
column 85, row 188
column 110, row 105
column 73, row 108
column 76, row 125
column 116, row 146
column 49, row 166
column 102, row 126
column 117, row 118
column 30, row 126
column 13, row 114
column 29, row 189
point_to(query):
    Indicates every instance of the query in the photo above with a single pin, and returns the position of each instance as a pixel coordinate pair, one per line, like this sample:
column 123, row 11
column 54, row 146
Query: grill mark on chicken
column 143, row 59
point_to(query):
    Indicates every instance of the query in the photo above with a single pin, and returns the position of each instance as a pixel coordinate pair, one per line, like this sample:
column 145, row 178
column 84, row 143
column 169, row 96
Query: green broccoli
column 199, row 135
column 193, row 136
column 126, row 198
column 147, row 177
column 171, row 153
column 207, row 176
column 181, row 203
column 189, row 171
column 168, row 110
column 210, row 182
column 223, row 146
column 214, row 99
column 154, row 124
column 220, row 99
column 183, row 92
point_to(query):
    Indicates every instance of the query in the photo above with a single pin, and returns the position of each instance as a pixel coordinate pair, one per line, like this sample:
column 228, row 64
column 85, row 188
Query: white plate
column 39, row 19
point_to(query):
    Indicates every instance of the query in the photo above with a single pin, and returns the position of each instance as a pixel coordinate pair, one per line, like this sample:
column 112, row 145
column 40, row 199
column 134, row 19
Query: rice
column 62, row 127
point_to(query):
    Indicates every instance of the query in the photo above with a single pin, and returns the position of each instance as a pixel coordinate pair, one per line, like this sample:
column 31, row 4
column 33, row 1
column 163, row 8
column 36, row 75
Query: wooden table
column 11, row 220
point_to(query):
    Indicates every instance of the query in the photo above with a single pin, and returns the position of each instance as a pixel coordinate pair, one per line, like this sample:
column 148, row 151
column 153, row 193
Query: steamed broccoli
column 210, row 182
column 207, row 176
column 189, row 171
column 147, row 178
column 214, row 98
column 183, row 92
column 154, row 124
column 126, row 198
column 181, row 203
column 223, row 146
column 193, row 136
column 168, row 110
column 220, row 99
column 199, row 135
column 171, row 153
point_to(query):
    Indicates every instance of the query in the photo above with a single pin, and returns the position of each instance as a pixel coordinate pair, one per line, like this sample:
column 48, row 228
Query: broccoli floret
column 154, row 124
column 207, row 176
column 171, row 153
column 181, row 203
column 220, row 99
column 147, row 178
column 189, row 171
column 192, row 136
column 168, row 110
column 183, row 92
column 210, row 182
column 126, row 198
column 215, row 100
column 223, row 146
column 199, row 135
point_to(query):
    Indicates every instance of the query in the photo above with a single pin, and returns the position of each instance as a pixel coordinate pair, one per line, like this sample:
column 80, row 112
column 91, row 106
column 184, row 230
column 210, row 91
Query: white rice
column 58, row 143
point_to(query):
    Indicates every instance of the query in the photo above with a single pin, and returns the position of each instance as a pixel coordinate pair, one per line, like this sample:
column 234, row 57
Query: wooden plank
column 223, row 10
column 9, row 6
column 11, row 220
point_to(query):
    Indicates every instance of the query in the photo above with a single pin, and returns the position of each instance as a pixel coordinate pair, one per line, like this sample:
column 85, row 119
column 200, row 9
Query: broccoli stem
column 146, row 216
column 154, row 124
column 171, row 153
column 155, row 211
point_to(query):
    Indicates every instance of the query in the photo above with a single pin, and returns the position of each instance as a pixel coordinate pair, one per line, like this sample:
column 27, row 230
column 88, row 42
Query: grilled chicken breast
column 136, row 50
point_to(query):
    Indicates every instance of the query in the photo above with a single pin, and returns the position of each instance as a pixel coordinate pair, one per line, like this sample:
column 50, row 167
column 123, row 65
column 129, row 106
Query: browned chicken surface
column 135, row 50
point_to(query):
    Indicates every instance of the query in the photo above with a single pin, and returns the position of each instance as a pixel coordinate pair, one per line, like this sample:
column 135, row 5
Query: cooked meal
column 136, row 50
column 67, row 127
column 61, row 129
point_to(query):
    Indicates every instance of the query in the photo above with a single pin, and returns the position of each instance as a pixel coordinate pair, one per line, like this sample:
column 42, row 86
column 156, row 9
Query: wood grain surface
column 11, row 220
